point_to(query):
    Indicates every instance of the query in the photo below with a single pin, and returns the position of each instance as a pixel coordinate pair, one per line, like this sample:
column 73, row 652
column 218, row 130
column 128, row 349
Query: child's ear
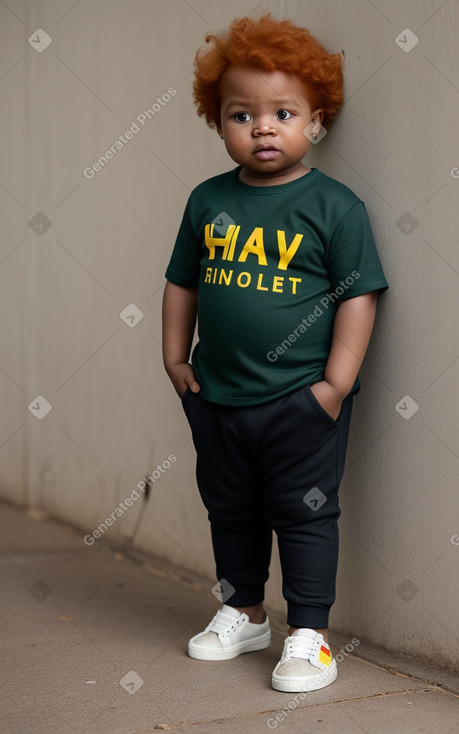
column 316, row 122
column 317, row 116
column 219, row 130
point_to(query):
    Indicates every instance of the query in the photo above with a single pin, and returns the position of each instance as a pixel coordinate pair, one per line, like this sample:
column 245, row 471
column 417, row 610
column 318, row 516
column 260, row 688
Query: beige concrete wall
column 76, row 251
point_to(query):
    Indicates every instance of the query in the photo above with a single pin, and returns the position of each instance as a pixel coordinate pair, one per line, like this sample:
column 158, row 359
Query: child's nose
column 264, row 127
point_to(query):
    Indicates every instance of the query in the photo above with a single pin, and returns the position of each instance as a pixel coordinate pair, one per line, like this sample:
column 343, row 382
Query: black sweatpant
column 275, row 466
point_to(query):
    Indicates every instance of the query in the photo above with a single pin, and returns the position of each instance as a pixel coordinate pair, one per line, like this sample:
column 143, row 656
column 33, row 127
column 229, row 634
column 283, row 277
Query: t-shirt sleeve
column 184, row 265
column 352, row 256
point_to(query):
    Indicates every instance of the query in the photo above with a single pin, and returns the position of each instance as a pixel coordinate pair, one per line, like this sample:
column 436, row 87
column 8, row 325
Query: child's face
column 264, row 123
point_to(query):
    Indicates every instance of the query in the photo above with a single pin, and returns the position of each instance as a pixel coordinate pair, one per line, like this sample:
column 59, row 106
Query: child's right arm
column 180, row 307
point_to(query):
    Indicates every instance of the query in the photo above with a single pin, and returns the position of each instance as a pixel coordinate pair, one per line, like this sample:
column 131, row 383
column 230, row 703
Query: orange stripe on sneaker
column 324, row 655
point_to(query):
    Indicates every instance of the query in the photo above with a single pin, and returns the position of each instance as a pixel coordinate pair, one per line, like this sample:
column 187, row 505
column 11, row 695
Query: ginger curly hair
column 272, row 45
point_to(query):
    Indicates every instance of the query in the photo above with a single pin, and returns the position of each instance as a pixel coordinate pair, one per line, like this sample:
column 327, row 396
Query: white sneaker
column 306, row 663
column 228, row 635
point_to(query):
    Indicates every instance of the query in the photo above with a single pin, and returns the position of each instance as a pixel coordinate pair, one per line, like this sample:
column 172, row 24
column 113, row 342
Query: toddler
column 277, row 264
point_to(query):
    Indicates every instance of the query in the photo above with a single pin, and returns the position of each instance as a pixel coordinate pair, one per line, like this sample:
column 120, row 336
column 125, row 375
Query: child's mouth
column 267, row 154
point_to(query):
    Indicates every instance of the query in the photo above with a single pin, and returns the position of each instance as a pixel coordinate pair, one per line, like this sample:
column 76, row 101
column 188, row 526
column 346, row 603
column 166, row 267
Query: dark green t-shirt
column 271, row 264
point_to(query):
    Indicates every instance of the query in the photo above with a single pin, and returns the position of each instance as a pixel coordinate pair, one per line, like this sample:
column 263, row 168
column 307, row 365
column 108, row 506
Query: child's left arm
column 351, row 334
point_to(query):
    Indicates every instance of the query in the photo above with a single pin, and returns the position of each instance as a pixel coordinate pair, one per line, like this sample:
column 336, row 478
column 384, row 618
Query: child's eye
column 283, row 114
column 242, row 117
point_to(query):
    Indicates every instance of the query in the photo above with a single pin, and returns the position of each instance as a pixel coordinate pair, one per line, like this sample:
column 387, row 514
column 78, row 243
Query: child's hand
column 182, row 376
column 328, row 397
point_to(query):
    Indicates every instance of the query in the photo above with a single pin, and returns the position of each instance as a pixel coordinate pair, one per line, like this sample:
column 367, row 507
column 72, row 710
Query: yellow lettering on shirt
column 261, row 281
column 244, row 279
column 261, row 287
column 287, row 253
column 254, row 246
column 225, row 277
column 228, row 242
column 278, row 284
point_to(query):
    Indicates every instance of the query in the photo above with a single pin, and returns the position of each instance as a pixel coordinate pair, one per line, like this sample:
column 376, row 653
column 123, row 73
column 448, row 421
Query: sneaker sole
column 260, row 643
column 299, row 685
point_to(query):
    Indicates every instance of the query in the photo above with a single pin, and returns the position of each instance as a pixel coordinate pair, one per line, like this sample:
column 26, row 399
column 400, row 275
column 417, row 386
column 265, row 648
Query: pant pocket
column 318, row 408
column 191, row 404
column 185, row 394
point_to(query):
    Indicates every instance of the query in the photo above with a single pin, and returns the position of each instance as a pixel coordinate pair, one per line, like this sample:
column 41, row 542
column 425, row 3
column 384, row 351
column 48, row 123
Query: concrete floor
column 94, row 640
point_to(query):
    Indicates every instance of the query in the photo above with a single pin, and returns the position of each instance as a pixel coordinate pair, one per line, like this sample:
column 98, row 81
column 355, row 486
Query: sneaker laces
column 302, row 647
column 224, row 622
